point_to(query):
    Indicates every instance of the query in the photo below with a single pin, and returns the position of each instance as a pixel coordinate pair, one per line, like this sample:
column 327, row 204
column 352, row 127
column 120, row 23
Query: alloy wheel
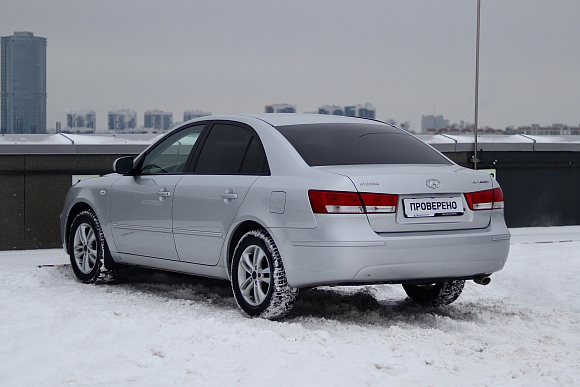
column 254, row 276
column 85, row 248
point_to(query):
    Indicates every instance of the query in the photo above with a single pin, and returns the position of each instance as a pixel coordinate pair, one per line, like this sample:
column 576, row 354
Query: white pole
column 475, row 160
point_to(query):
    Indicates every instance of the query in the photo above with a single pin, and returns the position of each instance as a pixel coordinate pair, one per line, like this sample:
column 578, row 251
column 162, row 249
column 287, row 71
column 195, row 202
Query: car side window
column 255, row 160
column 225, row 150
column 171, row 154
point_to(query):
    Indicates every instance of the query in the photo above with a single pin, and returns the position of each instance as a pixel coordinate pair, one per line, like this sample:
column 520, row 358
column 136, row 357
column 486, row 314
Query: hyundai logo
column 433, row 183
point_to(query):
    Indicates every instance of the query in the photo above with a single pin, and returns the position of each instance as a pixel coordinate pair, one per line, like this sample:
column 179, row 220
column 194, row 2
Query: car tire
column 88, row 250
column 258, row 278
column 435, row 294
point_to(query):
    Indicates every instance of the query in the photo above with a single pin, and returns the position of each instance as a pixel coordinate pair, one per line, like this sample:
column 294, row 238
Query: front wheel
column 87, row 249
column 435, row 294
column 258, row 278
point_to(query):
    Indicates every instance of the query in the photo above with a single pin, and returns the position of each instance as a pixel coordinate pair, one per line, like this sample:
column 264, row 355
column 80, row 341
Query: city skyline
column 125, row 120
column 406, row 58
column 74, row 118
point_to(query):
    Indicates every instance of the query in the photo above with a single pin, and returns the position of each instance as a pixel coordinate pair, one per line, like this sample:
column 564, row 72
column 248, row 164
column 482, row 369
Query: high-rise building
column 280, row 108
column 191, row 114
column 23, row 84
column 366, row 111
column 120, row 120
column 433, row 123
column 158, row 119
column 81, row 119
column 331, row 109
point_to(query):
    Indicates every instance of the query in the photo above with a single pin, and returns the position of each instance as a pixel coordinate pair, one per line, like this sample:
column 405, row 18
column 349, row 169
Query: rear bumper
column 360, row 256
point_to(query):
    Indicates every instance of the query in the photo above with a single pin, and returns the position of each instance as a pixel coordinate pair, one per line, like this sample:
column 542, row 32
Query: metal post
column 475, row 160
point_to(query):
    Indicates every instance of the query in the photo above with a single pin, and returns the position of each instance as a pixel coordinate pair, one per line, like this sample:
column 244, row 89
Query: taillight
column 485, row 200
column 379, row 203
column 337, row 202
column 331, row 202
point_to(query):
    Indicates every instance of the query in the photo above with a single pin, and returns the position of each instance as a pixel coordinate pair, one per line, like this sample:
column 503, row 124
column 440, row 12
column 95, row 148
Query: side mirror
column 123, row 165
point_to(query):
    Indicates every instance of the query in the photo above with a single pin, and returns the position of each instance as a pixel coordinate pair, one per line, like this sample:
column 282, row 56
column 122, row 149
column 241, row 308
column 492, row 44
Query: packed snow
column 162, row 329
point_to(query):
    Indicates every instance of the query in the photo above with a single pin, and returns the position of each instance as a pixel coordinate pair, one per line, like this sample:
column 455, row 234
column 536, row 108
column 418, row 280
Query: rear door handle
column 229, row 195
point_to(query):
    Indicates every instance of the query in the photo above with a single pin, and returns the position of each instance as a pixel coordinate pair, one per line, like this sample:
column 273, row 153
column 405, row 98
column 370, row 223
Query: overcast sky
column 406, row 57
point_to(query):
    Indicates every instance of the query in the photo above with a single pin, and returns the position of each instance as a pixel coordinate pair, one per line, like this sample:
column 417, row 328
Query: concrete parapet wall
column 32, row 192
column 540, row 178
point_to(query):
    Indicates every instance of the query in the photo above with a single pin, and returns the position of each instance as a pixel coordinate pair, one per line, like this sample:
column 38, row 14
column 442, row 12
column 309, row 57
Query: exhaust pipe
column 482, row 280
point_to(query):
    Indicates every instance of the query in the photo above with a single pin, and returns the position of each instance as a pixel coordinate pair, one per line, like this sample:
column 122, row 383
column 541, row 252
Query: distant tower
column 121, row 120
column 158, row 119
column 81, row 120
column 23, row 84
column 331, row 109
column 431, row 122
column 366, row 111
column 191, row 114
column 280, row 108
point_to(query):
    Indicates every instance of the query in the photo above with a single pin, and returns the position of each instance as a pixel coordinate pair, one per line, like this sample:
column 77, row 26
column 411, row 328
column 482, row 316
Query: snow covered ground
column 158, row 329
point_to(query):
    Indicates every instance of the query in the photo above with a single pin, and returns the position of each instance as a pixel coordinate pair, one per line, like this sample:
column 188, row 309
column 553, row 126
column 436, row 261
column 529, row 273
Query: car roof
column 282, row 119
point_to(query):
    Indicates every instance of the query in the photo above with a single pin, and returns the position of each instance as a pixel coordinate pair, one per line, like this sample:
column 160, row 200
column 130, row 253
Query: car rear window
column 352, row 144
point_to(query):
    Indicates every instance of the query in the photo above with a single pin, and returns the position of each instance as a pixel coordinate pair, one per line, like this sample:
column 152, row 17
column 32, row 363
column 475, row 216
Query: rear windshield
column 352, row 144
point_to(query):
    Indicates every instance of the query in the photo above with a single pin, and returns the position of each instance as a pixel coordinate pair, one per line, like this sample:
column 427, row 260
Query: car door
column 141, row 204
column 230, row 161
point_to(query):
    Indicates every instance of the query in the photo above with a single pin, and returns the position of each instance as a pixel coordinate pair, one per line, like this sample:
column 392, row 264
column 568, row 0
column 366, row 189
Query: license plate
column 428, row 207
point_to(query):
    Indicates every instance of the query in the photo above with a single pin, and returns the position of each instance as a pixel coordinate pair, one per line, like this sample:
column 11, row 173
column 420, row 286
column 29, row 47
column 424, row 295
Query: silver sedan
column 278, row 202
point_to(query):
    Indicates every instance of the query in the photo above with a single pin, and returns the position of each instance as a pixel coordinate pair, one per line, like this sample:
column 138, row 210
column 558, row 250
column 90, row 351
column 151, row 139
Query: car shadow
column 171, row 285
column 362, row 306
column 358, row 305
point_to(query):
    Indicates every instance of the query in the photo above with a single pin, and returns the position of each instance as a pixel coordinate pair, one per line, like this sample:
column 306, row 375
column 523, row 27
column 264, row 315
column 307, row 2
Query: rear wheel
column 87, row 249
column 435, row 294
column 258, row 278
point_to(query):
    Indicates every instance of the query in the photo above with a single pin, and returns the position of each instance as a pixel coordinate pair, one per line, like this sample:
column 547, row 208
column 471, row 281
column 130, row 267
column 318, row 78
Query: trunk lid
column 430, row 197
